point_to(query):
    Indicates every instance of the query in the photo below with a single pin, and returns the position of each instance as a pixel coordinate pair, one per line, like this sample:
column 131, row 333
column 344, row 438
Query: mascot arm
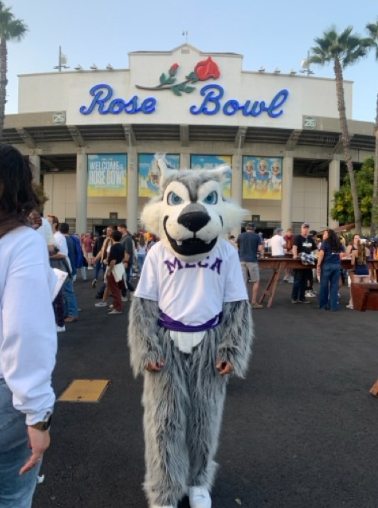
column 237, row 335
column 143, row 340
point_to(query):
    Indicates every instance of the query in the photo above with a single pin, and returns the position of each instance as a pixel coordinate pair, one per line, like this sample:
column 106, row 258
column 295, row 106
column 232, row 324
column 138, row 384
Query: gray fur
column 184, row 402
column 192, row 179
column 142, row 336
column 236, row 330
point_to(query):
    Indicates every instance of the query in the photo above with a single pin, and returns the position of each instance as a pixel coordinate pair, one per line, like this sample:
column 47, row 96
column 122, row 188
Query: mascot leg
column 207, row 390
column 183, row 407
column 165, row 401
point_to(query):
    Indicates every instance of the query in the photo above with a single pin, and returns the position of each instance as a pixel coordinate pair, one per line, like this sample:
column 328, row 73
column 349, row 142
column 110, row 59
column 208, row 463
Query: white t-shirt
column 61, row 243
column 191, row 295
column 28, row 339
column 46, row 231
column 277, row 243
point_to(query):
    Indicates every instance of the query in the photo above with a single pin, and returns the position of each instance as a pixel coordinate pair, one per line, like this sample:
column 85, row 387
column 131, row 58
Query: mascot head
column 190, row 213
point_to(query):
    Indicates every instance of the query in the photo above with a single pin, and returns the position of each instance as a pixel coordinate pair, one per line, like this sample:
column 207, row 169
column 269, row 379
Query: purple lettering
column 190, row 265
column 204, row 265
column 172, row 266
column 217, row 265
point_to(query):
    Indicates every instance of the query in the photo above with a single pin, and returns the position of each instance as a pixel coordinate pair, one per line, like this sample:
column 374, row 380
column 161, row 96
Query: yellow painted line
column 84, row 390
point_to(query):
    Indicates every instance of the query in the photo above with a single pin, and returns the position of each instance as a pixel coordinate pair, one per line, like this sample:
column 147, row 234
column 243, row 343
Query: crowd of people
column 114, row 255
column 325, row 249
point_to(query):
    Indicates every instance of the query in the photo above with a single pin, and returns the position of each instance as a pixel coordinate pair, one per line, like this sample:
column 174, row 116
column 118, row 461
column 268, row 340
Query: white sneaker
column 60, row 328
column 124, row 299
column 101, row 304
column 115, row 311
column 349, row 306
column 199, row 497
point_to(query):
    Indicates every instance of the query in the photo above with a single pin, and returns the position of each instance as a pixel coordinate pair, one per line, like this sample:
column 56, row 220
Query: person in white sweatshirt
column 28, row 339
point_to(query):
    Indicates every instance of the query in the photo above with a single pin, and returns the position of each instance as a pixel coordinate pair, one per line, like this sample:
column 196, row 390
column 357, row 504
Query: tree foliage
column 343, row 203
column 11, row 29
column 372, row 29
column 39, row 190
column 342, row 49
column 346, row 46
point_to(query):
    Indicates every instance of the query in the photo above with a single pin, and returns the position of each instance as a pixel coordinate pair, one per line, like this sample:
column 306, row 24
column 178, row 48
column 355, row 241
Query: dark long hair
column 334, row 241
column 361, row 253
column 17, row 197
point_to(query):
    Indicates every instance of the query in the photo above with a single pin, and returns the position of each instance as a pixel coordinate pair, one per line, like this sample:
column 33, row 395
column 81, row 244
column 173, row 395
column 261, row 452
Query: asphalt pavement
column 298, row 432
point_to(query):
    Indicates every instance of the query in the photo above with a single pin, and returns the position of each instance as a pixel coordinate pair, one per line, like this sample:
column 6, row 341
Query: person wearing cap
column 302, row 243
column 249, row 245
column 277, row 243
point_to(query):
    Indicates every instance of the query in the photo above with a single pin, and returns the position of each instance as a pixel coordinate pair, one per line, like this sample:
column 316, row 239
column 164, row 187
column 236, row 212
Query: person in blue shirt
column 249, row 245
column 329, row 264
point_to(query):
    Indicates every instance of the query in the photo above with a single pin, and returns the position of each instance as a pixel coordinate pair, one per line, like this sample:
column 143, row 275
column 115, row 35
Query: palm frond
column 347, row 46
column 345, row 35
column 5, row 18
column 16, row 30
column 372, row 29
column 351, row 57
column 318, row 60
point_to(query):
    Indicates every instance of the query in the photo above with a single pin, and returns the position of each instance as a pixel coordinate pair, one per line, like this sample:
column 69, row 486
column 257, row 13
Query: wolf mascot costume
column 190, row 324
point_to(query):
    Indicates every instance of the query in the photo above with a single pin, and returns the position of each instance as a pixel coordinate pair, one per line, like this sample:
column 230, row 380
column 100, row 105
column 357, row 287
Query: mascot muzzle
column 193, row 218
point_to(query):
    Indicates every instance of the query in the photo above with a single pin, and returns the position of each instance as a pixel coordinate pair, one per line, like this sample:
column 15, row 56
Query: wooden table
column 279, row 264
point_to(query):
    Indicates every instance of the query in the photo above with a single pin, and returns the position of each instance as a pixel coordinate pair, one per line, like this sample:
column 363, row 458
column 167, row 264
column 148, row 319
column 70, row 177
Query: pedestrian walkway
column 299, row 432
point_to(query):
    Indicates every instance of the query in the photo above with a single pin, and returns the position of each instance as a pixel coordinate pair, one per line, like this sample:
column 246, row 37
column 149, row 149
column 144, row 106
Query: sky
column 269, row 33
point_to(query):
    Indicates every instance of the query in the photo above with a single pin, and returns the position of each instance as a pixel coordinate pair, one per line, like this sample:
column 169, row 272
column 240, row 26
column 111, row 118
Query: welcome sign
column 107, row 175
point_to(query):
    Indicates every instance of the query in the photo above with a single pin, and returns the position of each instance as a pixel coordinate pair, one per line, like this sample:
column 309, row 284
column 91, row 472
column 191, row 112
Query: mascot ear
column 164, row 172
column 221, row 171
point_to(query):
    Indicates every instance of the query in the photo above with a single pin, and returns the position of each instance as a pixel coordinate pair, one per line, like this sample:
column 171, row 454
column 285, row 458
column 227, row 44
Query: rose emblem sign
column 204, row 70
column 213, row 96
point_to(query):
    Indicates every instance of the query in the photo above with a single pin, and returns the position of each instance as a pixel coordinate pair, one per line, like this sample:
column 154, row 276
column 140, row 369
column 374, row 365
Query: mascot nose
column 194, row 221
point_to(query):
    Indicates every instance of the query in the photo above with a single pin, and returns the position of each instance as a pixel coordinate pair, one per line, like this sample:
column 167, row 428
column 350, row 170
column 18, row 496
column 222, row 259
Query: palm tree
column 342, row 50
column 372, row 29
column 11, row 29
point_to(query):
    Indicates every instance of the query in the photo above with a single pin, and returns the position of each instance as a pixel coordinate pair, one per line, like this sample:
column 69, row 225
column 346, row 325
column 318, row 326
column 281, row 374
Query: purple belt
column 169, row 323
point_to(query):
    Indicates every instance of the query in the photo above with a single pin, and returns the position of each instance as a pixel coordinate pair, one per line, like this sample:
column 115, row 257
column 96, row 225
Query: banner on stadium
column 212, row 162
column 149, row 173
column 262, row 177
column 107, row 175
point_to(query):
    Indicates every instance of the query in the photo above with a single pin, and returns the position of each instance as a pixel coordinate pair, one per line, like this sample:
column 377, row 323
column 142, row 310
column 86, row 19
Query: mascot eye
column 211, row 199
column 174, row 199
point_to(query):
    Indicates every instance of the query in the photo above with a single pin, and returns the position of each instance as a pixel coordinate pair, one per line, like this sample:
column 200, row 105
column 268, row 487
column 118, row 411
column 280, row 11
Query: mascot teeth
column 179, row 242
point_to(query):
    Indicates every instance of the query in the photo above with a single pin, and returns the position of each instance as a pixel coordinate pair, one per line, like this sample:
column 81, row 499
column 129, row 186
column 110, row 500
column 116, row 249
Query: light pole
column 306, row 66
column 62, row 61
